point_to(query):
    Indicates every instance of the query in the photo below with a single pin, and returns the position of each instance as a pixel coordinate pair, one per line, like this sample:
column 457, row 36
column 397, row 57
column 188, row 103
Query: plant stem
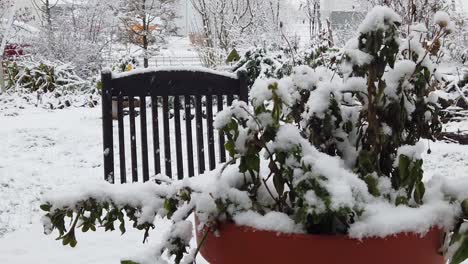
column 205, row 235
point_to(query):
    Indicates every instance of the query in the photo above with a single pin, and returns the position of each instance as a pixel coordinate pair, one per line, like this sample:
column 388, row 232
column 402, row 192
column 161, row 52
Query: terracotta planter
column 243, row 245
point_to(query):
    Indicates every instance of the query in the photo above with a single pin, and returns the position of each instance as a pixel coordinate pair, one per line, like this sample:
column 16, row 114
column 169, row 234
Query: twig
column 197, row 250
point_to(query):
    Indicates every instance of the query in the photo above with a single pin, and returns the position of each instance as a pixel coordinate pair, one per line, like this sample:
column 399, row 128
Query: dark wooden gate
column 170, row 92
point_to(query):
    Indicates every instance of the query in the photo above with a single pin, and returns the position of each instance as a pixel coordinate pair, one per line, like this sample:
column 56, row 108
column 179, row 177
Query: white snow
column 398, row 76
column 305, row 77
column 356, row 56
column 272, row 221
column 60, row 153
column 383, row 219
column 441, row 18
column 379, row 18
column 413, row 152
column 355, row 84
column 173, row 69
column 262, row 91
column 319, row 99
column 44, row 150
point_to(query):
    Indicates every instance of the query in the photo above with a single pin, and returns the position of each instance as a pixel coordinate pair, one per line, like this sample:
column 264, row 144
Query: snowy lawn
column 42, row 150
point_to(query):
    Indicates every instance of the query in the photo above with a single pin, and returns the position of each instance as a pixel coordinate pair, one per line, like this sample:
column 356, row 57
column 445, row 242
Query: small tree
column 229, row 24
column 147, row 22
column 312, row 10
column 45, row 8
column 76, row 32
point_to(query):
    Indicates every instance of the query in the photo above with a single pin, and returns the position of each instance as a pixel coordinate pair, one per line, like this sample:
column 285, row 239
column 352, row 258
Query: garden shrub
column 318, row 151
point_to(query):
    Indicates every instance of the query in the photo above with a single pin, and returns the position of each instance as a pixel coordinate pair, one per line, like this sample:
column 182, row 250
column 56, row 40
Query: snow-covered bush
column 126, row 63
column 45, row 76
column 263, row 63
column 316, row 152
column 47, row 84
column 272, row 63
column 318, row 55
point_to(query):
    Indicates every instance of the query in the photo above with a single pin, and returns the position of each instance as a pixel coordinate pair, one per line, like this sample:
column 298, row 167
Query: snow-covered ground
column 42, row 150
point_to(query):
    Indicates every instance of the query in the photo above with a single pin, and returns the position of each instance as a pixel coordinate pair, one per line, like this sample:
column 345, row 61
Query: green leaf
column 243, row 167
column 65, row 240
column 461, row 254
column 464, row 206
column 403, row 167
column 253, row 162
column 73, row 243
column 278, row 182
column 46, row 207
column 122, row 228
column 230, row 148
column 401, row 200
column 128, row 262
column 171, row 206
column 233, row 56
column 372, row 185
column 419, row 192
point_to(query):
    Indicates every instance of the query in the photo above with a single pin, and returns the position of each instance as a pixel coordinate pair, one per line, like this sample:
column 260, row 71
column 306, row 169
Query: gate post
column 243, row 88
column 107, row 131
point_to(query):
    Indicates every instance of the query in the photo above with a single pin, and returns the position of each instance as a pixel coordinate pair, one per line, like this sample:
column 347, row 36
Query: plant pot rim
column 246, row 228
column 233, row 244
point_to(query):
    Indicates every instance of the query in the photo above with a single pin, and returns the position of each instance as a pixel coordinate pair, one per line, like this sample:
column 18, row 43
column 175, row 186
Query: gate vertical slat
column 167, row 137
column 243, row 86
column 188, row 131
column 144, row 139
column 230, row 99
column 199, row 126
column 209, row 123
column 156, row 148
column 107, row 130
column 120, row 117
column 178, row 138
column 133, row 147
column 221, row 140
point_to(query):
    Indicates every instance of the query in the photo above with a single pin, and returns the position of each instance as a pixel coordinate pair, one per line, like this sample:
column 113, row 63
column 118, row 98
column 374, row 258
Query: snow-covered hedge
column 46, row 76
column 272, row 63
column 316, row 152
column 47, row 84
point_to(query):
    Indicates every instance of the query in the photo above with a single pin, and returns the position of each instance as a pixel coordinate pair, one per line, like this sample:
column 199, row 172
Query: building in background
column 342, row 13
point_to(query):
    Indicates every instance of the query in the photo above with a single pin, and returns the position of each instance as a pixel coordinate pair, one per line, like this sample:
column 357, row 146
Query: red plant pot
column 240, row 245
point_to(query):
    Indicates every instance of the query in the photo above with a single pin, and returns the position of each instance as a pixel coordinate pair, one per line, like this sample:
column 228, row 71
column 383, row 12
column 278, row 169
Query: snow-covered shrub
column 270, row 63
column 47, row 84
column 45, row 76
column 125, row 64
column 315, row 152
column 318, row 55
column 263, row 63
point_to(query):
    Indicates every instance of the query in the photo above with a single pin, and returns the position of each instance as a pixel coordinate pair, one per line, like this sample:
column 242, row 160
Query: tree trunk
column 145, row 48
column 145, row 36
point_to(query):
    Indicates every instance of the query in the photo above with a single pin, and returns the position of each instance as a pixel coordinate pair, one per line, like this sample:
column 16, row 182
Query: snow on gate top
column 172, row 68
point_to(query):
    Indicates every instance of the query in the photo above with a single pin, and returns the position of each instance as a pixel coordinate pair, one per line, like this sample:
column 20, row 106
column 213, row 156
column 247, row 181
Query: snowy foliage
column 322, row 151
column 47, row 84
column 46, row 76
column 74, row 33
column 271, row 63
column 263, row 63
column 432, row 14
